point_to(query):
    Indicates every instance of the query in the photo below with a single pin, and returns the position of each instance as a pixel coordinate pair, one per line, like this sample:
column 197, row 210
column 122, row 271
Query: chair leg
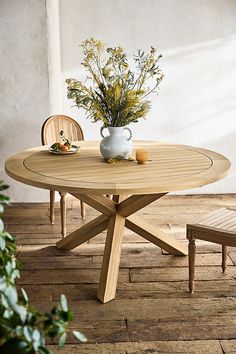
column 191, row 261
column 63, row 213
column 52, row 202
column 82, row 210
column 224, row 258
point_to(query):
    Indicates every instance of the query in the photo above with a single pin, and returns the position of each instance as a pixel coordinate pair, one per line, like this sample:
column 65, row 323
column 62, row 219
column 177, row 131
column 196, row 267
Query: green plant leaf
column 53, row 331
column 66, row 315
column 2, row 241
column 36, row 337
column 3, row 186
column 25, row 296
column 3, row 284
column 4, row 198
column 21, row 311
column 27, row 331
column 4, row 301
column 9, row 267
column 80, row 336
column 8, row 313
column 11, row 247
column 19, row 331
column 70, row 315
column 62, row 340
column 9, row 236
column 64, row 305
column 11, row 295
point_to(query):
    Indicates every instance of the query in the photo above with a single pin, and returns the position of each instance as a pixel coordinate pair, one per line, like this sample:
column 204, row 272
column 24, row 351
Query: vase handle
column 101, row 131
column 130, row 134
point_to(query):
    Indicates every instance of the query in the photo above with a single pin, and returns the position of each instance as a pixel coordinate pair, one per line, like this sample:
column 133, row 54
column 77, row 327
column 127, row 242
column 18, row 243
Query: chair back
column 50, row 132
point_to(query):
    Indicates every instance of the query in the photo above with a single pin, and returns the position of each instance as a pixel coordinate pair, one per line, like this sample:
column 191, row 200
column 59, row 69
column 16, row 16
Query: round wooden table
column 86, row 176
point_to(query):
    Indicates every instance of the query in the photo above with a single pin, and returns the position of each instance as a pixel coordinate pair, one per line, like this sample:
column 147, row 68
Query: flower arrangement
column 114, row 93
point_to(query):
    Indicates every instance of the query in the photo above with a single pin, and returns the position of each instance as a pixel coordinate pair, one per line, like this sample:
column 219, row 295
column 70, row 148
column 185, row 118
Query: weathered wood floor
column 153, row 311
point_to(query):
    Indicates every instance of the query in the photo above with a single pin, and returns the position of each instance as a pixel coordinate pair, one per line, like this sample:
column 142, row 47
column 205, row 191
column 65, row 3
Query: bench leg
column 224, row 258
column 191, row 261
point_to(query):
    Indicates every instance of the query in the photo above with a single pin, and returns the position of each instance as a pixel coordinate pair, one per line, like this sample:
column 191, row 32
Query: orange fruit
column 67, row 144
column 64, row 148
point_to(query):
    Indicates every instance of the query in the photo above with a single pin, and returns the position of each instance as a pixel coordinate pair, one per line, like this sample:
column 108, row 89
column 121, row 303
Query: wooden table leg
column 117, row 215
column 84, row 233
column 156, row 236
column 111, row 259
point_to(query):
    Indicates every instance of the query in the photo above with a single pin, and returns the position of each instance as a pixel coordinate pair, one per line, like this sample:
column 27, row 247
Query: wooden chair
column 219, row 227
column 50, row 133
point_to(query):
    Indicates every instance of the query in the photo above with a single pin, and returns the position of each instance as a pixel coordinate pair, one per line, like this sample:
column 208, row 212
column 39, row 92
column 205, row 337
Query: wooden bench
column 219, row 227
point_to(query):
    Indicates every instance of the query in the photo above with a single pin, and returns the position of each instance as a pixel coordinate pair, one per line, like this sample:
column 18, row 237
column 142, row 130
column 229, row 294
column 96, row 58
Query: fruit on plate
column 55, row 146
column 62, row 147
column 59, row 147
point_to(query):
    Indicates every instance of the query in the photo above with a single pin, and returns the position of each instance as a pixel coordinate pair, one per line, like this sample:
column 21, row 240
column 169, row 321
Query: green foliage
column 119, row 158
column 118, row 95
column 22, row 328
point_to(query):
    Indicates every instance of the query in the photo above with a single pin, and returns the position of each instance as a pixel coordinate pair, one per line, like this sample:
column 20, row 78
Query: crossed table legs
column 117, row 214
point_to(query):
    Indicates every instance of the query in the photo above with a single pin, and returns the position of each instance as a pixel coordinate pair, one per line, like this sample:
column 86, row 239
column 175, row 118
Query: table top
column 172, row 167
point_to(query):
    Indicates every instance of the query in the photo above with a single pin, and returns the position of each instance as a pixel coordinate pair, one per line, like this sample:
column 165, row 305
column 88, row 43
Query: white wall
column 197, row 100
column 24, row 99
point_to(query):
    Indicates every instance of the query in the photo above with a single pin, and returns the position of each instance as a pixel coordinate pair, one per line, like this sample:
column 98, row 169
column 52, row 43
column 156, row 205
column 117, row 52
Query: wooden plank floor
column 153, row 311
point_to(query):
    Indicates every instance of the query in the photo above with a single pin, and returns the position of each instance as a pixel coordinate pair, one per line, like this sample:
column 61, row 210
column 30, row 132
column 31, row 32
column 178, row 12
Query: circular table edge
column 15, row 168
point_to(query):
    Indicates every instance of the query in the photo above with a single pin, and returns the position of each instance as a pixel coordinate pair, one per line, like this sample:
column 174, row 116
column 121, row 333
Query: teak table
column 86, row 176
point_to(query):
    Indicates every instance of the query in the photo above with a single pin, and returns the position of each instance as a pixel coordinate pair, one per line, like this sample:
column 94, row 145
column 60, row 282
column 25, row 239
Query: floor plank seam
column 223, row 351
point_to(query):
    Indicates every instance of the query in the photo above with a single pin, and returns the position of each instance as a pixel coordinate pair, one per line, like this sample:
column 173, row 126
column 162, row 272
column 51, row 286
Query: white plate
column 72, row 150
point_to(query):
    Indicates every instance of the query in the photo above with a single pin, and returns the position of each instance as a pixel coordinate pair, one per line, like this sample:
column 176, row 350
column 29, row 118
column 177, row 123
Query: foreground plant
column 23, row 329
column 118, row 95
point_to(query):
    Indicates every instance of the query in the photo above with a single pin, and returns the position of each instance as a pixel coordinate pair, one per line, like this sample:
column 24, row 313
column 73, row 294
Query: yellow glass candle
column 141, row 155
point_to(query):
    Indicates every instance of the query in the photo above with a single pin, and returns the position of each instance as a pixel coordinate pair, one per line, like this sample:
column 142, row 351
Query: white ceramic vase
column 116, row 143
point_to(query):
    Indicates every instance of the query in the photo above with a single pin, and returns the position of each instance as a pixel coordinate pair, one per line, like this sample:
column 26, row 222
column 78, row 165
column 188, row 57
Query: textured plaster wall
column 197, row 100
column 24, row 99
